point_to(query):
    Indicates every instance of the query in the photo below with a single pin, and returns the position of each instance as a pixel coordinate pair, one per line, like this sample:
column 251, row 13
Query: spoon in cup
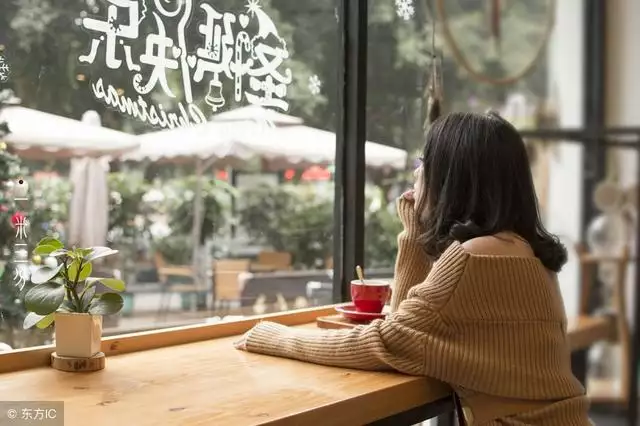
column 360, row 274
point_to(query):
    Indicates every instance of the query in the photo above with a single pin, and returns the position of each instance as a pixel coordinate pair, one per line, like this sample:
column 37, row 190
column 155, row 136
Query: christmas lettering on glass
column 19, row 191
column 252, row 62
column 5, row 69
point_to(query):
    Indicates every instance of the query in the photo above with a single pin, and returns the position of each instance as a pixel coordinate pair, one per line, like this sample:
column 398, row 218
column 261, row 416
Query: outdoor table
column 192, row 375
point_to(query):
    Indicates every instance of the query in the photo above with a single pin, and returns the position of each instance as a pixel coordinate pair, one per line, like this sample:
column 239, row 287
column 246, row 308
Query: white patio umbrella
column 257, row 114
column 39, row 135
column 89, row 209
column 303, row 146
column 238, row 136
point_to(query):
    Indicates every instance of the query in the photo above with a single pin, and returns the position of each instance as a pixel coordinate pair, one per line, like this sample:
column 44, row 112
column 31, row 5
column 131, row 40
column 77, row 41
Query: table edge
column 600, row 328
column 40, row 356
column 419, row 391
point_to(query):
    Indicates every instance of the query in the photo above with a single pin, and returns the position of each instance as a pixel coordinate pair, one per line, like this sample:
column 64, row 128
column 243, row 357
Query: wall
column 565, row 66
column 623, row 88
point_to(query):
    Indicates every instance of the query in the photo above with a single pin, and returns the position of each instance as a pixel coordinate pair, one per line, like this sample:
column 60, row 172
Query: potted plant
column 68, row 295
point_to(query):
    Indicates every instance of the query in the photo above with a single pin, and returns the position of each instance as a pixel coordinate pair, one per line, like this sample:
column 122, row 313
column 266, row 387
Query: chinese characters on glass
column 20, row 222
column 229, row 53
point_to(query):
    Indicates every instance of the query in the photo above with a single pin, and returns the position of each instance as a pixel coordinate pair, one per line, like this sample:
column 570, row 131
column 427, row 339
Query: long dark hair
column 478, row 182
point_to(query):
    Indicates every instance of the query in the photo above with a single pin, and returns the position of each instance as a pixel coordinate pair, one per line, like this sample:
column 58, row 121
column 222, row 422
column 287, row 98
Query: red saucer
column 349, row 312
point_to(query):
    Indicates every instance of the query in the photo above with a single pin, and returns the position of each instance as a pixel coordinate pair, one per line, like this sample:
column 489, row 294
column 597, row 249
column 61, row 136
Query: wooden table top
column 211, row 383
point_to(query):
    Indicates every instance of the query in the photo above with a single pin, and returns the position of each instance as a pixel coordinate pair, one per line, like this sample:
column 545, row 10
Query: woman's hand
column 410, row 214
column 241, row 344
column 409, row 195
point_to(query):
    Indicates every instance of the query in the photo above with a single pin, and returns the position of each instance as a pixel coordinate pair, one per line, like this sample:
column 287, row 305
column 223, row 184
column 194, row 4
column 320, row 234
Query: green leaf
column 44, row 250
column 45, row 274
column 46, row 321
column 40, row 321
column 87, row 297
column 67, row 306
column 48, row 241
column 106, row 304
column 44, row 299
column 98, row 252
column 82, row 252
column 112, row 283
column 58, row 252
column 32, row 319
column 80, row 275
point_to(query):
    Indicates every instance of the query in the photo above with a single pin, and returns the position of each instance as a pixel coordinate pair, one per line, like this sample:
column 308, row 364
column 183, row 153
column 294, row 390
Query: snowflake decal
column 314, row 85
column 4, row 69
column 405, row 9
column 114, row 24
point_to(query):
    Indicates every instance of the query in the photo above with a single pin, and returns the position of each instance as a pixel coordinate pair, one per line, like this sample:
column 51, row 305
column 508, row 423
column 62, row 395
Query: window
column 522, row 59
column 180, row 134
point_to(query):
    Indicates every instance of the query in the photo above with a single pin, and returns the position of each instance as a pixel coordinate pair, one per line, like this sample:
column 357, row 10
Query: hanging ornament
column 434, row 92
column 630, row 204
column 495, row 26
column 495, row 49
column 608, row 197
column 606, row 234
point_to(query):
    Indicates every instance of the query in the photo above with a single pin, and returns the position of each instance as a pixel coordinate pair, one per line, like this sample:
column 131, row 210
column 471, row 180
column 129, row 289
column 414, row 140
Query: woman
column 476, row 302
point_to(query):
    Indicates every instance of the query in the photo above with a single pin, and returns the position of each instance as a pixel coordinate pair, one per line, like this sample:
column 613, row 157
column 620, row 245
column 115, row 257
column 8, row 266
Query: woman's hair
column 477, row 181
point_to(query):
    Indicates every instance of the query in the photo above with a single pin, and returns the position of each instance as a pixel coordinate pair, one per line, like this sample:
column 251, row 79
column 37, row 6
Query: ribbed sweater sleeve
column 412, row 265
column 484, row 323
column 410, row 340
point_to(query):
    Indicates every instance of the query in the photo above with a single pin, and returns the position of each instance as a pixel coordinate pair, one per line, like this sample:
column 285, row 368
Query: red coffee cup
column 370, row 295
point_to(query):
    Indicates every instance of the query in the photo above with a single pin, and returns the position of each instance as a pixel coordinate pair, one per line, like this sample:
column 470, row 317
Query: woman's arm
column 409, row 340
column 412, row 264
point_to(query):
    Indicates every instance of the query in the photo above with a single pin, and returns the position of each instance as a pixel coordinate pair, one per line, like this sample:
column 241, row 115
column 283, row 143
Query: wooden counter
column 193, row 376
column 211, row 383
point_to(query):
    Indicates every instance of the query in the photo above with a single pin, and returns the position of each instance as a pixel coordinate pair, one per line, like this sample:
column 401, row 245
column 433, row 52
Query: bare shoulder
column 497, row 245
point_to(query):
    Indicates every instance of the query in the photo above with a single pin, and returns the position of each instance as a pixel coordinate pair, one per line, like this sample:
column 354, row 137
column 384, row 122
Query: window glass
column 522, row 59
column 194, row 137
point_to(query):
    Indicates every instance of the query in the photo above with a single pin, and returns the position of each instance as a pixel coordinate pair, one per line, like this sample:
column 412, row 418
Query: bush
column 216, row 200
column 287, row 218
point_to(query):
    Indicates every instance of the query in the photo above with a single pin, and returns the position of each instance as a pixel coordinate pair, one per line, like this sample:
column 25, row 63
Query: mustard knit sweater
column 493, row 327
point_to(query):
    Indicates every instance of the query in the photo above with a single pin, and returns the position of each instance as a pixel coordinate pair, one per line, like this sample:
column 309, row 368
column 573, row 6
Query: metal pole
column 350, row 143
column 632, row 392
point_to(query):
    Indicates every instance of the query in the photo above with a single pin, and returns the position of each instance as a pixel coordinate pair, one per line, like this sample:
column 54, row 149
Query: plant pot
column 78, row 335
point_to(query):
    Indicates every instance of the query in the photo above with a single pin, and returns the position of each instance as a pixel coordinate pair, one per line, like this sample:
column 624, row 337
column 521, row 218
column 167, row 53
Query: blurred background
column 201, row 144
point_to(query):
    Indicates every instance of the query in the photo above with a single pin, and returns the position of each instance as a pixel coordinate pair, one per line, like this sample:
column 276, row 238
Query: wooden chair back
column 588, row 267
column 280, row 260
column 226, row 273
column 160, row 263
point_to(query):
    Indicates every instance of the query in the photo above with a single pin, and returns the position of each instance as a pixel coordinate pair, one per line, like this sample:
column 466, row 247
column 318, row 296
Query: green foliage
column 381, row 238
column 126, row 204
column 68, row 287
column 216, row 199
column 175, row 249
column 288, row 219
column 50, row 208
